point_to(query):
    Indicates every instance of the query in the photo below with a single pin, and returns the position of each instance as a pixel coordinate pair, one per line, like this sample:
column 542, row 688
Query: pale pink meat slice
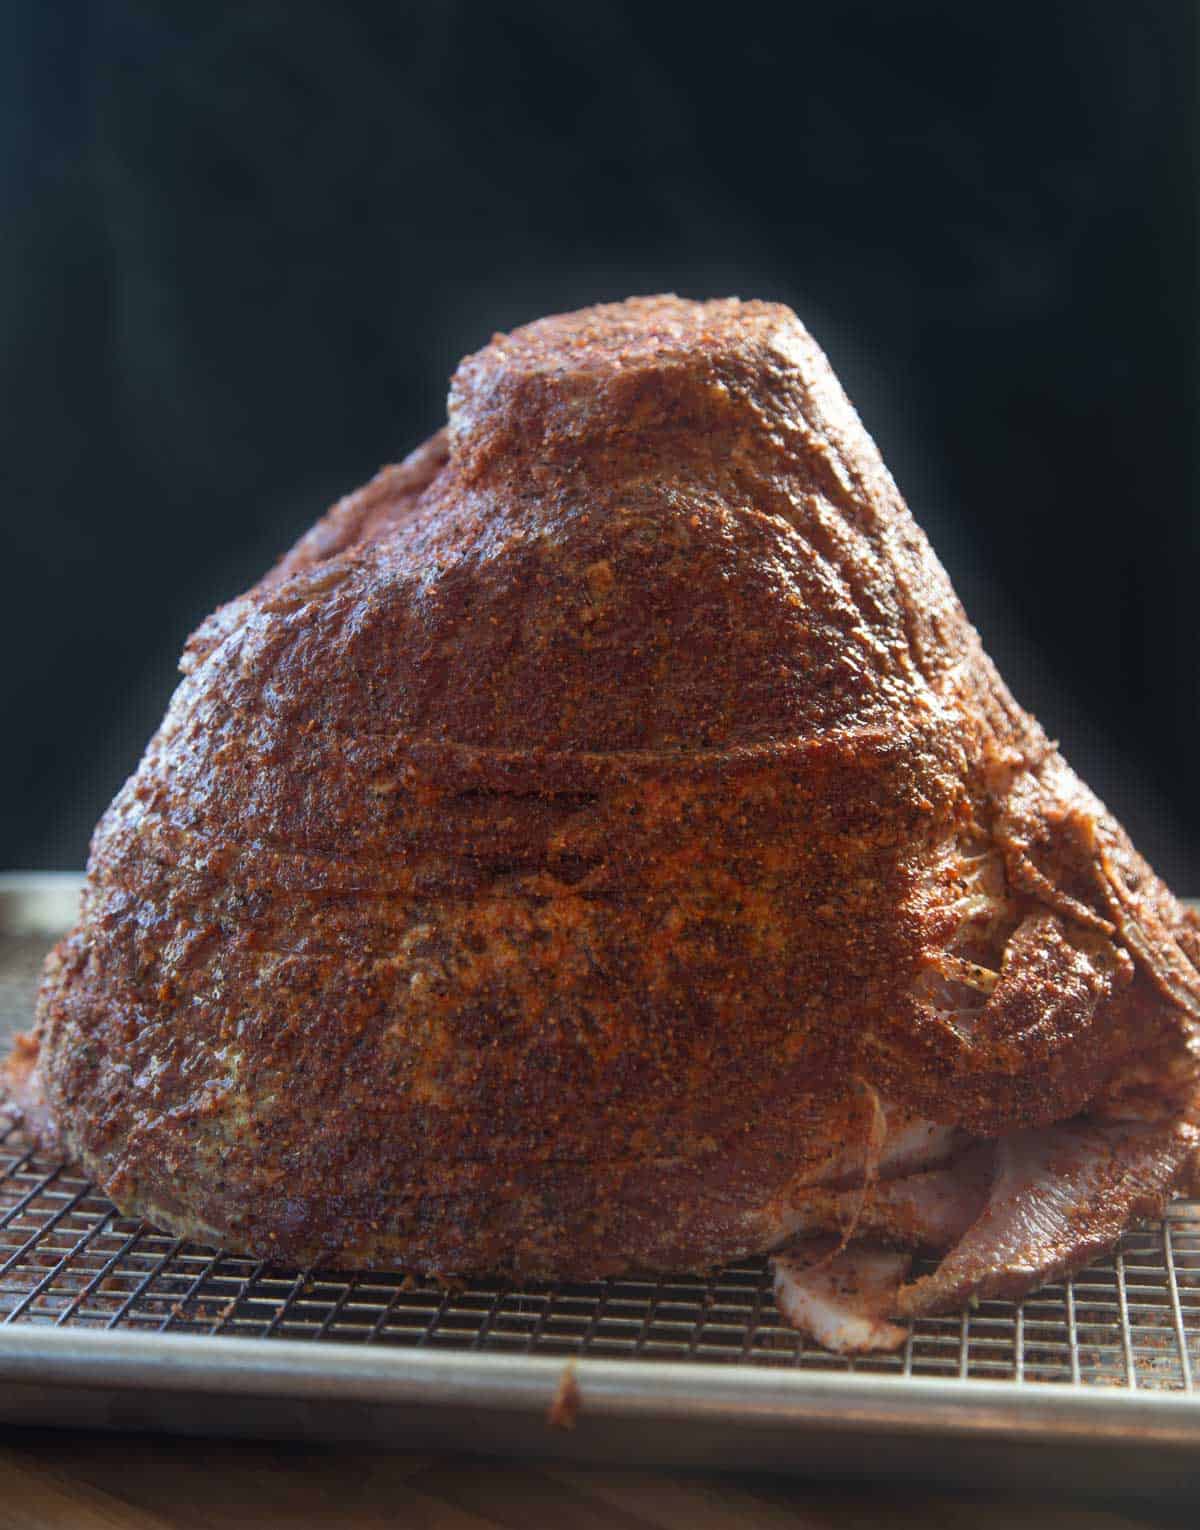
column 911, row 1143
column 1061, row 1195
column 842, row 1302
column 931, row 1210
column 934, row 1210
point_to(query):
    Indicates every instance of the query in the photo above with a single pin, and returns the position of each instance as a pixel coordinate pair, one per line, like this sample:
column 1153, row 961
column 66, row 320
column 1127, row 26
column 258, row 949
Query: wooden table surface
column 91, row 1481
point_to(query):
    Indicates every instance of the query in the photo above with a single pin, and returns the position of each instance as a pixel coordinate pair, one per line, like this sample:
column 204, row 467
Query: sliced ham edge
column 1030, row 1207
column 910, row 1144
column 1061, row 1195
column 931, row 1210
column 842, row 1301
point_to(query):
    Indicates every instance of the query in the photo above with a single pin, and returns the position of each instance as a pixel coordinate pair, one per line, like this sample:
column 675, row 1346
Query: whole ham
column 602, row 843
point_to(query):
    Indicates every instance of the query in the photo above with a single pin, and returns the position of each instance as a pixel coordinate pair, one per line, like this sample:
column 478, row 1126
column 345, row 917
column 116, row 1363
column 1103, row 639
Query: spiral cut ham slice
column 1060, row 1195
column 1031, row 1207
column 842, row 1302
column 933, row 1209
column 910, row 1144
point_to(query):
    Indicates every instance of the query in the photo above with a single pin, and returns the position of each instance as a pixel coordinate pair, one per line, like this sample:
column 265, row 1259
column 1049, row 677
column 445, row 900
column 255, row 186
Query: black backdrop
column 242, row 247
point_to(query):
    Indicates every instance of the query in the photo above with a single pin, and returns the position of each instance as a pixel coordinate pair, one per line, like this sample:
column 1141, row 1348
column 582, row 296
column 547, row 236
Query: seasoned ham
column 604, row 844
column 842, row 1301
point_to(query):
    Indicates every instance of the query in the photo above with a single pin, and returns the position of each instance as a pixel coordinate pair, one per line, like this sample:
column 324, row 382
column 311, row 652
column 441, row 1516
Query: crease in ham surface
column 600, row 838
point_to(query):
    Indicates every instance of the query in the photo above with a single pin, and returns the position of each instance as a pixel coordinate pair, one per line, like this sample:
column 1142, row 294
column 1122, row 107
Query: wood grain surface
column 97, row 1482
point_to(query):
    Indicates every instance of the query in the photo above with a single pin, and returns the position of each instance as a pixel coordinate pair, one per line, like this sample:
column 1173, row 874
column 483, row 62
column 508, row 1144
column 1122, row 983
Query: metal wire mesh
column 67, row 1258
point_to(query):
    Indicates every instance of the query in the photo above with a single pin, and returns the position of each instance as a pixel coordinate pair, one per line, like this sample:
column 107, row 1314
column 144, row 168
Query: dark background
column 242, row 248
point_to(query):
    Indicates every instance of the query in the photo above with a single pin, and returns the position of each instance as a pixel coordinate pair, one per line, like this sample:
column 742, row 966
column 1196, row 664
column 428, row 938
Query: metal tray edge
column 282, row 1369
column 39, row 902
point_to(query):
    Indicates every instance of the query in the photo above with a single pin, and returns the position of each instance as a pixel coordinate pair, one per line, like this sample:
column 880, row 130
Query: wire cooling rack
column 69, row 1260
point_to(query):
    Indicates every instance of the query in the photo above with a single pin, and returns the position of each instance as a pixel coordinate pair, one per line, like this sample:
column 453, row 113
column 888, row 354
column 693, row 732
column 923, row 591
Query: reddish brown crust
column 528, row 866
